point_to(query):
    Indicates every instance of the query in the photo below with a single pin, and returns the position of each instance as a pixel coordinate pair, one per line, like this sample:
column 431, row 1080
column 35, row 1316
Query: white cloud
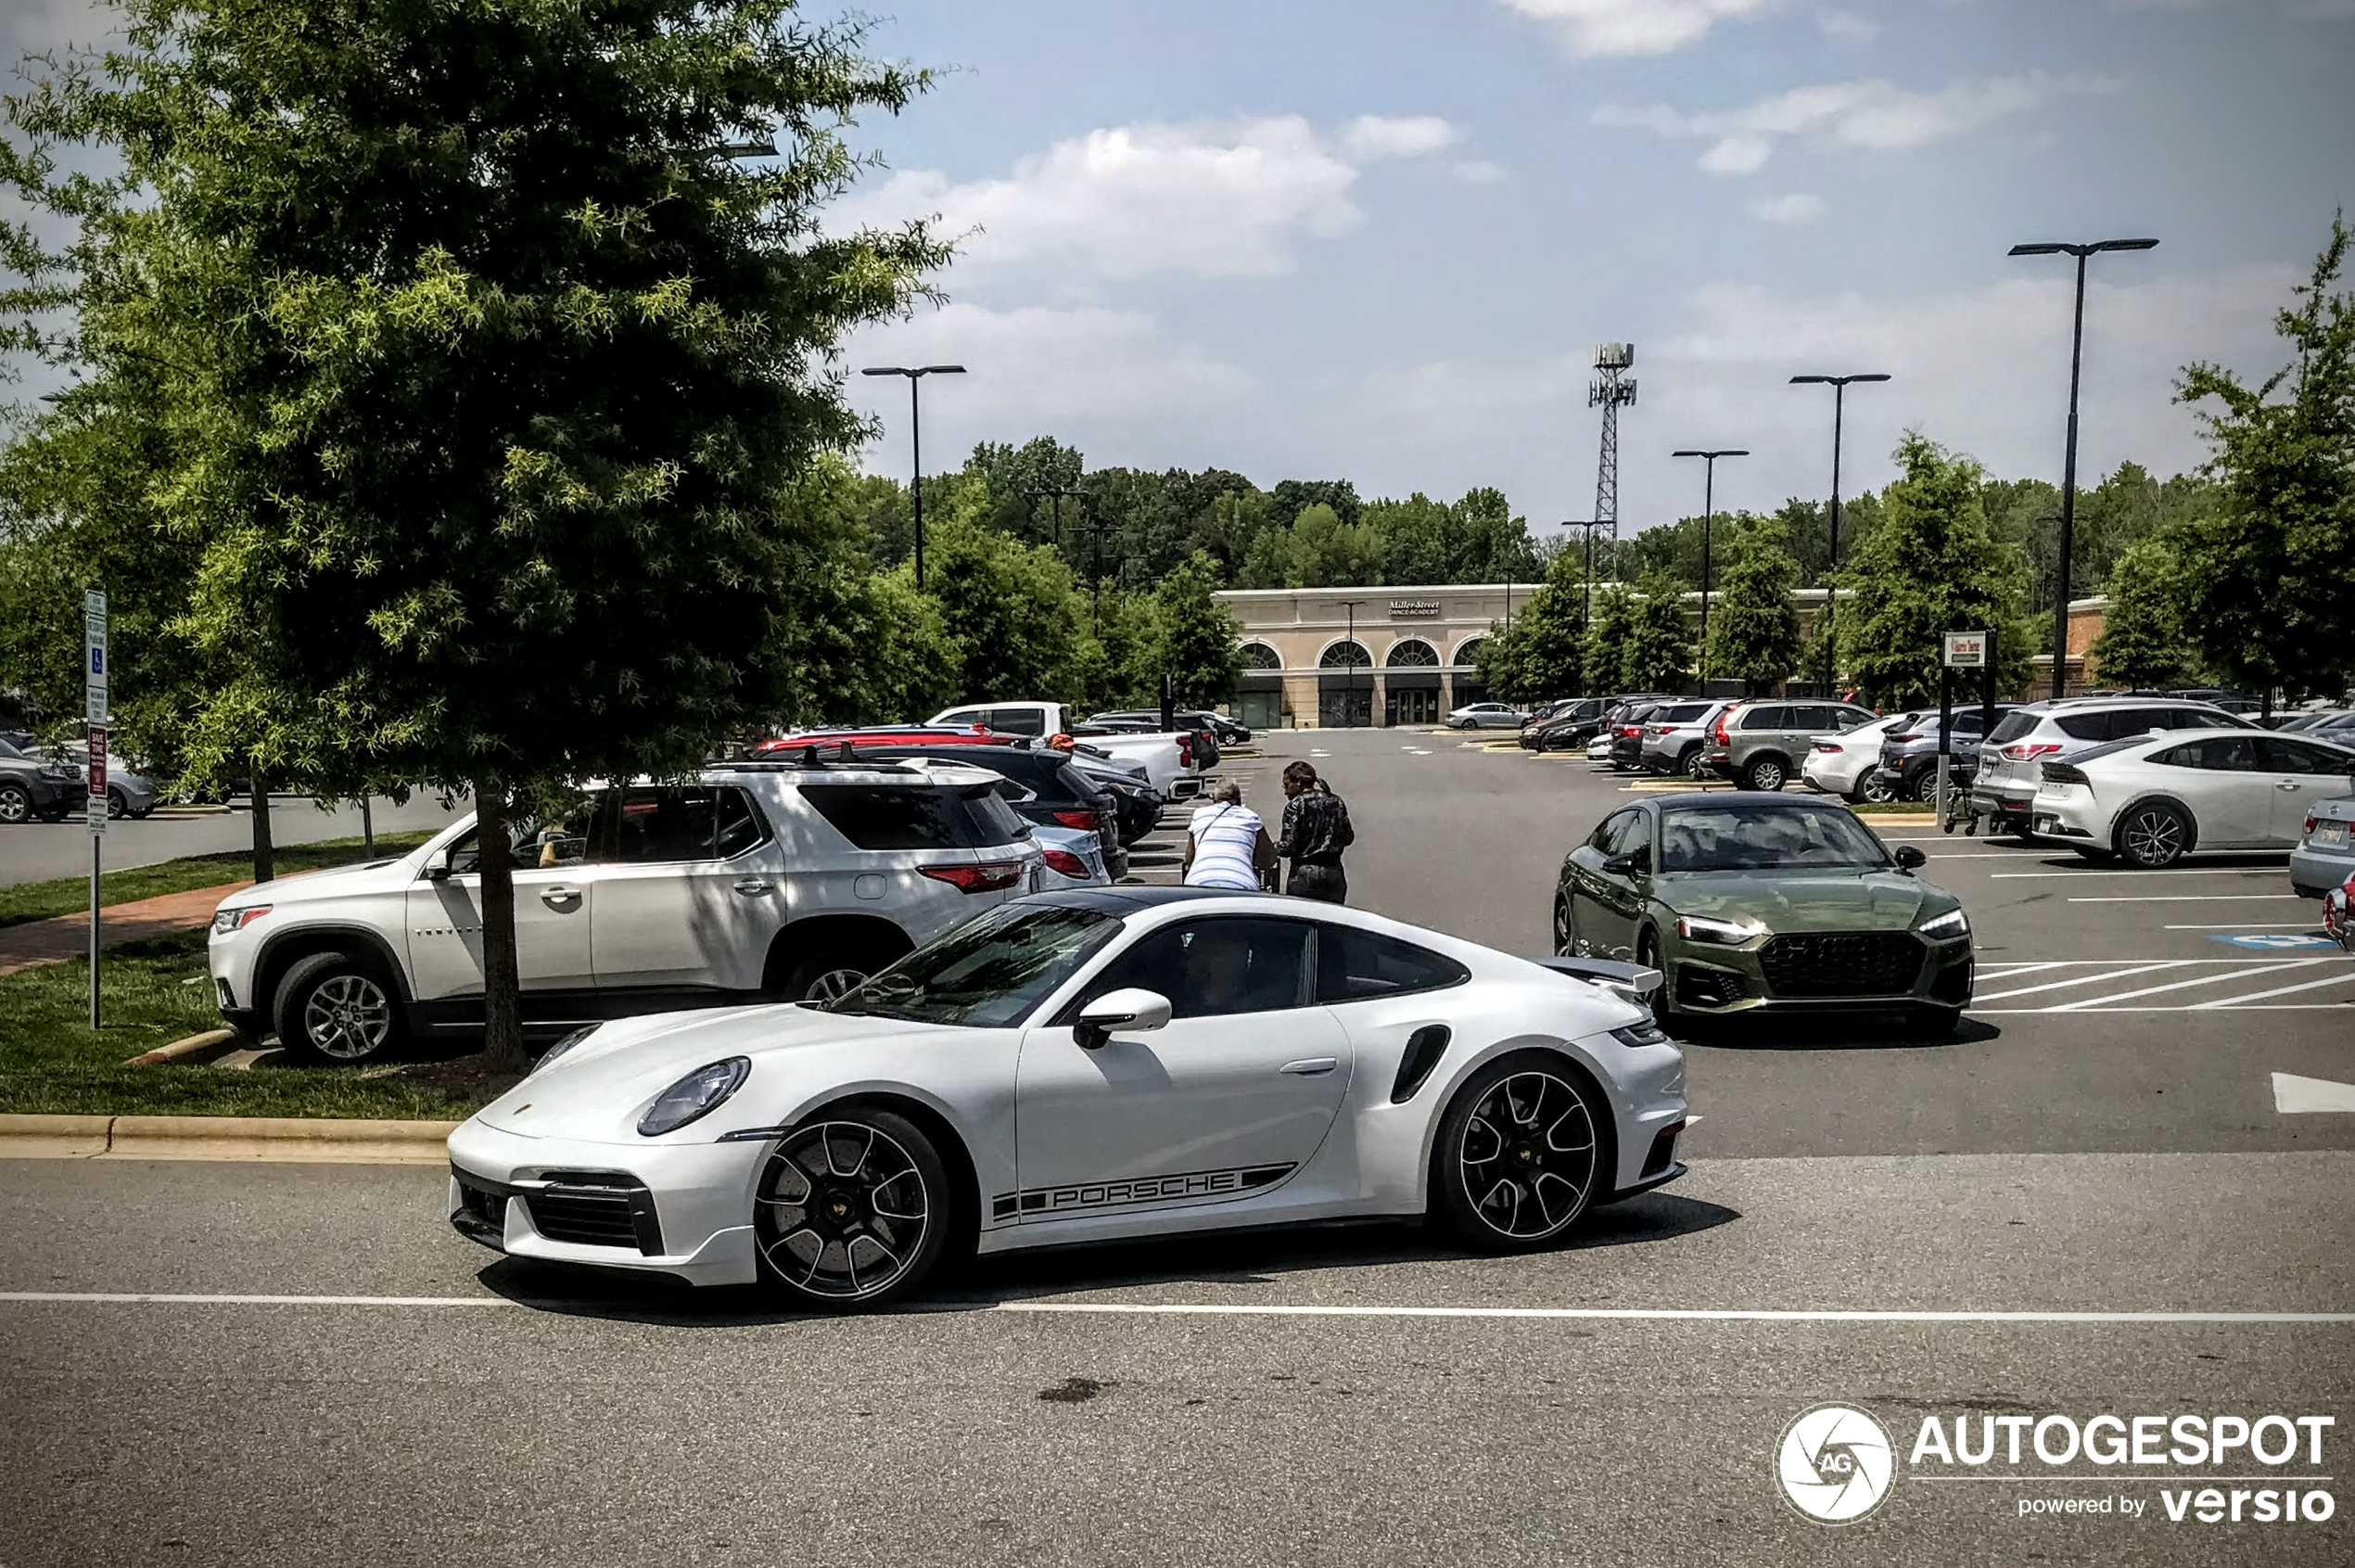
column 1848, row 27
column 1592, row 28
column 1796, row 207
column 1876, row 115
column 1224, row 199
column 1478, row 172
column 1374, row 135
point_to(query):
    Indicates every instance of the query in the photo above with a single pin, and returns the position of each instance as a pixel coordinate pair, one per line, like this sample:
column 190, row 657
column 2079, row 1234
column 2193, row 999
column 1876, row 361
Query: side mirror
column 1130, row 1009
column 1909, row 857
column 1638, row 863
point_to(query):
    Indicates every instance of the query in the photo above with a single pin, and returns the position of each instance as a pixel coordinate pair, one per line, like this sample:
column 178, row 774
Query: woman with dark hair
column 1315, row 831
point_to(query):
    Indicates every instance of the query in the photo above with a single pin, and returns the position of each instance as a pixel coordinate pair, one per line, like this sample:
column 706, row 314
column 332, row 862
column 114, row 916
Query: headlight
column 697, row 1094
column 1695, row 928
column 1645, row 1033
column 228, row 920
column 564, row 1045
column 1953, row 922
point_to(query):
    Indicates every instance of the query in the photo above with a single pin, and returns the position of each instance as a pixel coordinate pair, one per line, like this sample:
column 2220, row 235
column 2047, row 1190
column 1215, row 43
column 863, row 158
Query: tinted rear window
column 2011, row 726
column 1682, row 713
column 912, row 817
column 1766, row 718
column 1354, row 966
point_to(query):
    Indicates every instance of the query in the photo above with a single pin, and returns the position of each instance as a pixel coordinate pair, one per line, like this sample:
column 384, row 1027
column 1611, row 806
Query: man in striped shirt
column 1227, row 845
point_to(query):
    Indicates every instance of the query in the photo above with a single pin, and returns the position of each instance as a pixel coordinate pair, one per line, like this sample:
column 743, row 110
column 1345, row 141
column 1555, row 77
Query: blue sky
column 1378, row 240
column 1305, row 239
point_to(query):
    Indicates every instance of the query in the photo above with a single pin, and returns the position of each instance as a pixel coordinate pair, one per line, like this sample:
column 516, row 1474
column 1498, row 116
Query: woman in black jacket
column 1315, row 831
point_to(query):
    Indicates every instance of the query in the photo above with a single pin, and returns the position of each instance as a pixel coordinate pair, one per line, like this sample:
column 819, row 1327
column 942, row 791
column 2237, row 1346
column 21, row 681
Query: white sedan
column 2154, row 799
column 1084, row 1066
column 1845, row 764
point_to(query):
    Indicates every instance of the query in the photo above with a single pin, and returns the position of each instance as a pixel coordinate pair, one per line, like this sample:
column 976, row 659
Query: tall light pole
column 915, row 376
column 2068, row 462
column 1349, row 702
column 1058, row 493
column 1840, row 385
column 1708, row 517
column 1586, row 619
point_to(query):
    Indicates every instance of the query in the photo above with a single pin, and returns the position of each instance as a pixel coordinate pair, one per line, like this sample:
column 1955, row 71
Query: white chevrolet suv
column 776, row 879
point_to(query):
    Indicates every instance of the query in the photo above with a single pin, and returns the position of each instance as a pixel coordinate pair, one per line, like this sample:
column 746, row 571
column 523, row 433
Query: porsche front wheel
column 1518, row 1157
column 852, row 1209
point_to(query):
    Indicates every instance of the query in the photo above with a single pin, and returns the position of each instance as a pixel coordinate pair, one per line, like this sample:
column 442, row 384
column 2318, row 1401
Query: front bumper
column 1708, row 979
column 609, row 1204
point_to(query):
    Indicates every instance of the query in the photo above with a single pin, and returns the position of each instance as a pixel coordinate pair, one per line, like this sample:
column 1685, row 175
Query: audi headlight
column 1645, row 1033
column 1729, row 933
column 697, row 1094
column 1953, row 922
column 562, row 1045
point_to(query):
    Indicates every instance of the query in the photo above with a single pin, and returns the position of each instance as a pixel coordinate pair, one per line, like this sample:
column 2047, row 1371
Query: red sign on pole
column 98, row 766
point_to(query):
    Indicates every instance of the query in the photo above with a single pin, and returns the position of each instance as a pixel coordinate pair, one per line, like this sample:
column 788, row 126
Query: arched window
column 1412, row 652
column 1465, row 655
column 1259, row 655
column 1346, row 655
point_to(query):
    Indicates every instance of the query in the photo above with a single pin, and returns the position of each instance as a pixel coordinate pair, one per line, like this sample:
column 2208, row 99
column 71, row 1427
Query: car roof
column 1745, row 798
column 913, row 769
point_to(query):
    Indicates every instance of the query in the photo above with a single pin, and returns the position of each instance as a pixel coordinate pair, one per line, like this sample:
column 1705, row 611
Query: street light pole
column 915, row 374
column 1840, row 385
column 1587, row 618
column 1708, row 516
column 2068, row 461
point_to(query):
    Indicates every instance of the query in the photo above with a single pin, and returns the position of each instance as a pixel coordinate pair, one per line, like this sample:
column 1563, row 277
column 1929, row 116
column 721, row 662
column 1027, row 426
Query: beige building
column 1340, row 656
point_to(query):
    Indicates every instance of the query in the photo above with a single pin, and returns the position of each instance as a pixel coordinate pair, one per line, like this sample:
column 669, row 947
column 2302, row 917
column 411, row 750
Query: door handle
column 558, row 895
column 751, row 885
column 2285, row 783
column 1309, row 1067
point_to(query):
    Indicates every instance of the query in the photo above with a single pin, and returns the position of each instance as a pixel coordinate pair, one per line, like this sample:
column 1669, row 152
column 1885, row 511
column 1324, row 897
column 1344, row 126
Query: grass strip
column 71, row 894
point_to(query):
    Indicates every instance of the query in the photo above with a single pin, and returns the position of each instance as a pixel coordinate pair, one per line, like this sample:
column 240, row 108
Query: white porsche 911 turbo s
column 1081, row 1066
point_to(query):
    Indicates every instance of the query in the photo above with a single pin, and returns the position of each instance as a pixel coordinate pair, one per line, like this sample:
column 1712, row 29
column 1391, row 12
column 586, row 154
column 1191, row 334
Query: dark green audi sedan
column 1749, row 900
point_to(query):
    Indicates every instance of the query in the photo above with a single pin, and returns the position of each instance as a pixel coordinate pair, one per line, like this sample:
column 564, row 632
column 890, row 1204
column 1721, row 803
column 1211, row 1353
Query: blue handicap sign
column 97, row 661
column 2276, row 941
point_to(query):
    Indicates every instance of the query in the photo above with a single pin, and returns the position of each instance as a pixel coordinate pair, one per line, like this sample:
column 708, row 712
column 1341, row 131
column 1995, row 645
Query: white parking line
column 2097, row 978
column 2084, row 1003
column 1246, row 1310
column 2339, row 1007
column 2248, row 926
column 2181, row 870
column 2284, row 991
column 2184, row 899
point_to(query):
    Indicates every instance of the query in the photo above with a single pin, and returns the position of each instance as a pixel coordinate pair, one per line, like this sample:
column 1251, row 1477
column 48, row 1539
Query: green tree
column 1318, row 550
column 481, row 372
column 1496, row 663
column 1931, row 566
column 1604, row 655
column 1753, row 621
column 1017, row 624
column 1550, row 635
column 1657, row 653
column 2142, row 641
column 1201, row 640
column 2267, row 594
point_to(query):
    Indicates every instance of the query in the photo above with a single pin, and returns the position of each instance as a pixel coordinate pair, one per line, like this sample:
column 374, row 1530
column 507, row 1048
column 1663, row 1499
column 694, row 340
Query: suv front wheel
column 335, row 1007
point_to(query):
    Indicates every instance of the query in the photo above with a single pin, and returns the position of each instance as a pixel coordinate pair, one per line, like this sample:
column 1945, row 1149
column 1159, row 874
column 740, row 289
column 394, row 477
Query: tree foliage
column 1753, row 621
column 2268, row 577
column 2142, row 641
column 1931, row 566
column 1657, row 655
column 1199, row 642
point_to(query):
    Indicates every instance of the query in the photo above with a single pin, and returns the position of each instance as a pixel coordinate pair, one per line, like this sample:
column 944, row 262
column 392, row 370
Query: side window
column 739, row 825
column 1970, row 722
column 1212, row 968
column 1357, row 966
column 660, row 824
column 2226, row 754
column 2284, row 756
column 905, row 817
column 961, row 715
column 1630, row 834
column 534, row 844
column 1766, row 717
column 1604, row 831
column 1015, row 720
column 2092, row 726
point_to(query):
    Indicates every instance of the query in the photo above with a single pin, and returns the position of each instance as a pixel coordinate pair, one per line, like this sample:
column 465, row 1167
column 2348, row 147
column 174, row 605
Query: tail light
column 1720, row 734
column 2309, row 824
column 1827, row 747
column 1185, row 751
column 1068, row 863
column 2061, row 773
column 991, row 876
column 1632, row 730
column 1901, row 740
column 2028, row 751
column 1089, row 820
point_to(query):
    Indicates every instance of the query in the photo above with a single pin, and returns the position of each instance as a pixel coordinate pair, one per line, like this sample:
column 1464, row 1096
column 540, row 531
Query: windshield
column 989, row 972
column 1764, row 838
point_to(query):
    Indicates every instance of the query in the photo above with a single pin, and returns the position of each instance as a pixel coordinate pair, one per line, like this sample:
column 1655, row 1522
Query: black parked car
column 1060, row 794
column 1909, row 753
column 1567, row 725
column 32, row 788
column 1627, row 733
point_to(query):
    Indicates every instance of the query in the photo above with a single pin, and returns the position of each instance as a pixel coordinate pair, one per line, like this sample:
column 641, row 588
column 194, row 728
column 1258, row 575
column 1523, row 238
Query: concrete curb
column 208, row 1046
column 323, row 1140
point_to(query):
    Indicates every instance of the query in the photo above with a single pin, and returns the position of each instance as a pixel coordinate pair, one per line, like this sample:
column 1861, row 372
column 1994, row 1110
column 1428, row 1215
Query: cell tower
column 1610, row 391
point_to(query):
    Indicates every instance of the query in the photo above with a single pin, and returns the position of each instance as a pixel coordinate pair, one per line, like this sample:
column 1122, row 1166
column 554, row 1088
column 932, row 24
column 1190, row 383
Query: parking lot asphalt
column 2076, row 1207
column 40, row 851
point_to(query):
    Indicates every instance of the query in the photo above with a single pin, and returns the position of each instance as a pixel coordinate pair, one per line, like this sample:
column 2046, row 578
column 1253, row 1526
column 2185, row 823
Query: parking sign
column 93, row 656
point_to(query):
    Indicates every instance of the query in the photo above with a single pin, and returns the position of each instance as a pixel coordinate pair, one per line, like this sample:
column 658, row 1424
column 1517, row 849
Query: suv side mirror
column 1909, row 857
column 1636, row 862
column 1132, row 1008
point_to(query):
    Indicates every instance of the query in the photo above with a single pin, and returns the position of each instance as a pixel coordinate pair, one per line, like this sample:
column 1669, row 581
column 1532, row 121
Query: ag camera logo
column 1834, row 1463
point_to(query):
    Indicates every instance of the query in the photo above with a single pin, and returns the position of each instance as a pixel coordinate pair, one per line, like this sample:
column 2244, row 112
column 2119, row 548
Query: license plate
column 2050, row 789
column 2330, row 833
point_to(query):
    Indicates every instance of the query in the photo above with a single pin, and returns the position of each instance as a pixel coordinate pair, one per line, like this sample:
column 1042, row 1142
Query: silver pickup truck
column 1169, row 759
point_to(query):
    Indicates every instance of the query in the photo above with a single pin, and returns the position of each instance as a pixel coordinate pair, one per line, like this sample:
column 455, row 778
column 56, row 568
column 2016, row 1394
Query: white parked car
column 1170, row 761
column 1599, row 749
column 1075, row 855
column 1845, row 764
column 2152, row 800
column 1486, row 716
column 762, row 879
column 1082, row 1067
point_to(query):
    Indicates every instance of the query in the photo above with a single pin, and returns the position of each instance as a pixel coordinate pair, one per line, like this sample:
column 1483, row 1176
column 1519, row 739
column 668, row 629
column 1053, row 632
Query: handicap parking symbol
column 2275, row 942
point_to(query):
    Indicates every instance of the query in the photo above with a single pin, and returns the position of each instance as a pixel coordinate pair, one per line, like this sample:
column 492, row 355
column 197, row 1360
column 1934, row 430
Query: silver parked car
column 2323, row 857
column 1486, row 715
column 1675, row 735
column 2004, row 790
column 2155, row 798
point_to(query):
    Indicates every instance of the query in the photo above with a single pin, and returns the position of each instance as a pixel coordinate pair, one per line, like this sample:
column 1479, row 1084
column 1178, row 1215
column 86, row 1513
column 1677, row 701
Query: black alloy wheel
column 1518, row 1157
column 851, row 1210
column 2153, row 836
column 1565, row 933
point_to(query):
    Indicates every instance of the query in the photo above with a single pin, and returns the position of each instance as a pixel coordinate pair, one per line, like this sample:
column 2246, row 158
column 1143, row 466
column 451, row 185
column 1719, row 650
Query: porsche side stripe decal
column 1138, row 1190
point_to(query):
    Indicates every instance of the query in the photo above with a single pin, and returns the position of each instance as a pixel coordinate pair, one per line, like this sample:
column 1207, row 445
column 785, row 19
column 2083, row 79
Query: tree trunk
column 501, row 979
column 265, row 853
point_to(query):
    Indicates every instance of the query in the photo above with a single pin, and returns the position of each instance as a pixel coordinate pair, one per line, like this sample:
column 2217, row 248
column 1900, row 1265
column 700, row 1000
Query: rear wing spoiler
column 1638, row 982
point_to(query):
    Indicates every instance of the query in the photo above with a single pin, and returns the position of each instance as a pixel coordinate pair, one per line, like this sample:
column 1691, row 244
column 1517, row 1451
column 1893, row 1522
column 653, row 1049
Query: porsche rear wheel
column 852, row 1210
column 1518, row 1157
